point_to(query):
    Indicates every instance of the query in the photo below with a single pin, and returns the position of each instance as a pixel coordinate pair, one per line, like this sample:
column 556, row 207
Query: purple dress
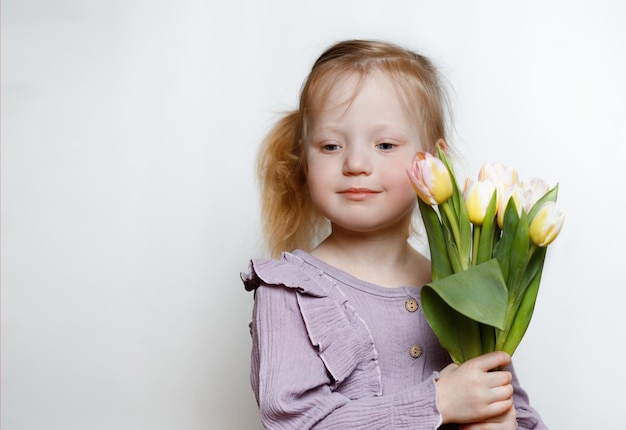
column 331, row 351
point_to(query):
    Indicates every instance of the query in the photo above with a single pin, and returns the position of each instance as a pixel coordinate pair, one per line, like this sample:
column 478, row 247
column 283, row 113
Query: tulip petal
column 546, row 225
column 430, row 178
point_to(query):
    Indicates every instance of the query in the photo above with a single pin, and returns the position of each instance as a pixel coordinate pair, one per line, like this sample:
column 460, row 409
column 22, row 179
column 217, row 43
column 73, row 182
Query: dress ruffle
column 344, row 342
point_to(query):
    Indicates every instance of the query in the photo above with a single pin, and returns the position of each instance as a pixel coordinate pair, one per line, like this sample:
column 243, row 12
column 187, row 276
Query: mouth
column 358, row 194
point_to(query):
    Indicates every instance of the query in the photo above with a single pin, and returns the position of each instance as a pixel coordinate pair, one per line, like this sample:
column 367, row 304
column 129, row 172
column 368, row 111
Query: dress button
column 415, row 351
column 411, row 305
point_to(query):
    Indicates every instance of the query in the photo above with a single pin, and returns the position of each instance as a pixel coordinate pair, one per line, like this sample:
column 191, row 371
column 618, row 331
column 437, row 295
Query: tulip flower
column 546, row 225
column 499, row 173
column 430, row 178
column 534, row 189
column 478, row 195
column 503, row 176
column 515, row 192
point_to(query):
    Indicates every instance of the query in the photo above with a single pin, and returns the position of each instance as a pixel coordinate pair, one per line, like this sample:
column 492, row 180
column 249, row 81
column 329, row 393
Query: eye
column 386, row 146
column 330, row 147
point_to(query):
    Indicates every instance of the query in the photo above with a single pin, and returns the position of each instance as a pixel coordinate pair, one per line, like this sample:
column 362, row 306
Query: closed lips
column 358, row 193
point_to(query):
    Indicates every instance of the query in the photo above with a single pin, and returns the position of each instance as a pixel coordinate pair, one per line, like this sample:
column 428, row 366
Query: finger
column 491, row 360
column 500, row 394
column 497, row 379
column 496, row 421
column 500, row 408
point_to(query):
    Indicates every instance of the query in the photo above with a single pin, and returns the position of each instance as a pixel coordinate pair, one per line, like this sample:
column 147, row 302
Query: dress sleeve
column 527, row 417
column 295, row 390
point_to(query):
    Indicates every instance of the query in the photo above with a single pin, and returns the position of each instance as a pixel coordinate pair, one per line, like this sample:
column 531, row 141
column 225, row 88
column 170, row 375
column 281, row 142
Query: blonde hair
column 290, row 221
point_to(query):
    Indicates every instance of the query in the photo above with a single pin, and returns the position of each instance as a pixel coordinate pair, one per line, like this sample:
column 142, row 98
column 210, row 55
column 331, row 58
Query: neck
column 383, row 257
column 382, row 248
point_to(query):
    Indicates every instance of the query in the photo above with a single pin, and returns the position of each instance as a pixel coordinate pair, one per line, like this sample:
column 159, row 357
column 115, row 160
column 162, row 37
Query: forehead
column 339, row 92
column 376, row 88
column 347, row 84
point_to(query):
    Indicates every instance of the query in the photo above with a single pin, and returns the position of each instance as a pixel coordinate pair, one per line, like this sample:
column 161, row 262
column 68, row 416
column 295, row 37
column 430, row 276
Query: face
column 360, row 146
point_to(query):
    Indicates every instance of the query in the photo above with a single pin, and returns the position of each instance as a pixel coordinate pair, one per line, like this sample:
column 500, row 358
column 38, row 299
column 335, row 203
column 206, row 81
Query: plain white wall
column 129, row 205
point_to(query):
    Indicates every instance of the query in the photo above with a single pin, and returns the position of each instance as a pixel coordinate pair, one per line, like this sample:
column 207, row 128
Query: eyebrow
column 336, row 126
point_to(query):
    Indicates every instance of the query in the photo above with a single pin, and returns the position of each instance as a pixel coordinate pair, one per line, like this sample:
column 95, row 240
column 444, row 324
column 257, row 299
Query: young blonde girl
column 339, row 338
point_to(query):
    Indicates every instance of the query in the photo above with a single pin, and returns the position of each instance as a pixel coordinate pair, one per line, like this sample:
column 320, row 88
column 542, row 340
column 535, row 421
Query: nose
column 357, row 162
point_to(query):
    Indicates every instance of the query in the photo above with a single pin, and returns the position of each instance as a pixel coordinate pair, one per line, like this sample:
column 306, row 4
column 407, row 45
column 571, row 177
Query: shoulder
column 290, row 271
column 296, row 298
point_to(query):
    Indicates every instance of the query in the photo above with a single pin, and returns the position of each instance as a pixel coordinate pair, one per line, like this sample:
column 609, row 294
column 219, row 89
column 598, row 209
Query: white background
column 129, row 203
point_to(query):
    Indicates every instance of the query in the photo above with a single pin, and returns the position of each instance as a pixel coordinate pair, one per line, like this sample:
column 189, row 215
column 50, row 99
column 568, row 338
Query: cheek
column 400, row 180
column 404, row 190
column 317, row 181
column 320, row 171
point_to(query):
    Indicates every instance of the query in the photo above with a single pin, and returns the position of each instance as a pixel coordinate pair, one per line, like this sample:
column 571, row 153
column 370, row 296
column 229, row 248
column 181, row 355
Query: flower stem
column 454, row 225
column 477, row 231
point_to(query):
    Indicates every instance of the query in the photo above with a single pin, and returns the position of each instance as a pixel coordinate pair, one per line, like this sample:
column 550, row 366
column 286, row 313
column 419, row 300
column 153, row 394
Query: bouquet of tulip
column 487, row 246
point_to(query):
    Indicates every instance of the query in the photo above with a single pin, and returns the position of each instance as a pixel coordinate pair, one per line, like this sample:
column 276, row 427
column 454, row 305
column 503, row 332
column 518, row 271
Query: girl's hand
column 506, row 421
column 471, row 393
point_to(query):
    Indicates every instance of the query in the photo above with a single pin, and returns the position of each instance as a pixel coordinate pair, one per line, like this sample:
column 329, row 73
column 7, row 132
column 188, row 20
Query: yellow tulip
column 477, row 196
column 515, row 192
column 430, row 178
column 546, row 225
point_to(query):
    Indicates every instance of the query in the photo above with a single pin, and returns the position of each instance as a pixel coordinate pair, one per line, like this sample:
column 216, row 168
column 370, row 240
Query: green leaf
column 535, row 265
column 454, row 306
column 502, row 250
column 487, row 338
column 478, row 293
column 465, row 230
column 462, row 221
column 518, row 258
column 525, row 310
column 458, row 334
column 487, row 233
column 452, row 250
column 440, row 263
column 453, row 254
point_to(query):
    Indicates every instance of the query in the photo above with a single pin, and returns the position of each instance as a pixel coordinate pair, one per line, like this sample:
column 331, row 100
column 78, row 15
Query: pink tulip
column 430, row 178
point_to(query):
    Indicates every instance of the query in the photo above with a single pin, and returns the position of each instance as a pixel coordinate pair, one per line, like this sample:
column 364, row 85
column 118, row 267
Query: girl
column 339, row 338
